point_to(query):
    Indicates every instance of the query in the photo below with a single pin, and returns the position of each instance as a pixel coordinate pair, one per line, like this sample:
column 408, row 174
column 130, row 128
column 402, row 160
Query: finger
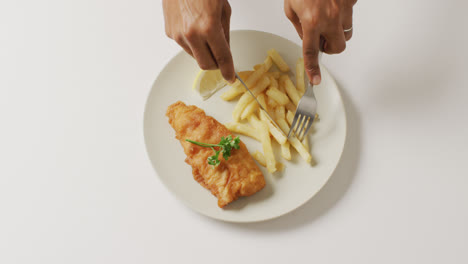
column 202, row 54
column 292, row 16
column 226, row 20
column 182, row 42
column 222, row 54
column 334, row 41
column 298, row 26
column 310, row 47
column 347, row 21
column 322, row 43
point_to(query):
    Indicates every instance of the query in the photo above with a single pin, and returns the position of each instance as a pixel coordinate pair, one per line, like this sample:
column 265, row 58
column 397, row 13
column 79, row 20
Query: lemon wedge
column 208, row 82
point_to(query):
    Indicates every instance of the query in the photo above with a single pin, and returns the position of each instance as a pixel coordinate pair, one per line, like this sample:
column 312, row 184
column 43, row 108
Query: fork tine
column 300, row 136
column 307, row 107
column 309, row 125
column 301, row 126
column 296, row 116
column 298, row 125
column 306, row 127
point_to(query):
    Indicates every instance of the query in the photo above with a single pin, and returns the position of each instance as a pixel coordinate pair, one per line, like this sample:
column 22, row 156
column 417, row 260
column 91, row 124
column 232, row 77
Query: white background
column 76, row 185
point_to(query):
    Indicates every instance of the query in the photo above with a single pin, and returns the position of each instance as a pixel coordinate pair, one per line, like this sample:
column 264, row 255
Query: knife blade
column 261, row 107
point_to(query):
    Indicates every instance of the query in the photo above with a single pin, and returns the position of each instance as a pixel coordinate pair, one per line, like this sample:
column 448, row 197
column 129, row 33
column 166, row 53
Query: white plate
column 285, row 191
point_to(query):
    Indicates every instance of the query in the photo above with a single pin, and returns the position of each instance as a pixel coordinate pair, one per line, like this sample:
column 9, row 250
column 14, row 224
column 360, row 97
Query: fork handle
column 309, row 90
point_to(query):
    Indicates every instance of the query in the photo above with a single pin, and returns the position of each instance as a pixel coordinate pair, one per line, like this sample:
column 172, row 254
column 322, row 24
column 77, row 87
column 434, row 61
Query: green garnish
column 224, row 147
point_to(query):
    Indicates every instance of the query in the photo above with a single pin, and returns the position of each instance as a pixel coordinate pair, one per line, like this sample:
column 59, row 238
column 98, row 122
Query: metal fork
column 306, row 108
column 305, row 114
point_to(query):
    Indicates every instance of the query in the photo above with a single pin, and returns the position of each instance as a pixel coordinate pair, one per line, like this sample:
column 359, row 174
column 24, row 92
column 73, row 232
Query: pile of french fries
column 279, row 96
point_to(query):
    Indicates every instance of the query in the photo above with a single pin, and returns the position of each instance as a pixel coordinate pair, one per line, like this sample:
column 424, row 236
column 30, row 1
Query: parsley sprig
column 224, row 147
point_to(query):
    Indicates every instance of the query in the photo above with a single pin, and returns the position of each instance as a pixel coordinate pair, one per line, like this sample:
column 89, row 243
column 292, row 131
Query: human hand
column 201, row 28
column 321, row 24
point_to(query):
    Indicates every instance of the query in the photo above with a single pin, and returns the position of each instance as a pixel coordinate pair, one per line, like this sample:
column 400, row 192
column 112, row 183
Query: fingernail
column 316, row 80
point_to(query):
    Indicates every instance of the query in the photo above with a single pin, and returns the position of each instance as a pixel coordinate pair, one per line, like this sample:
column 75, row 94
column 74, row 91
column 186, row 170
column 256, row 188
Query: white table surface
column 76, row 185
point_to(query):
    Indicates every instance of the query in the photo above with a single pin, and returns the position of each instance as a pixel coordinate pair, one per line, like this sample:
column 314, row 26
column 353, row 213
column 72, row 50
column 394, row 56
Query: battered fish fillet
column 239, row 176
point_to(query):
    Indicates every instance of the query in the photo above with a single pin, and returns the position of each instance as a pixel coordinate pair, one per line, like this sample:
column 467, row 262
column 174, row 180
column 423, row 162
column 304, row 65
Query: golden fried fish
column 238, row 176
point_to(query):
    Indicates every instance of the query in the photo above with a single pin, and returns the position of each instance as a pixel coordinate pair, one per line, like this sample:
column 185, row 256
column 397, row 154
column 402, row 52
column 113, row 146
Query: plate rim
column 240, row 221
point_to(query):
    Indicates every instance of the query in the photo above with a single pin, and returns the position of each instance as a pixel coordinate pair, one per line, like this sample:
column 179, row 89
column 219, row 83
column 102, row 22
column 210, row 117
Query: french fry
column 233, row 92
column 274, row 92
column 246, row 98
column 290, row 89
column 289, row 117
column 279, row 166
column 277, row 95
column 275, row 132
column 244, row 74
column 305, row 142
column 258, row 156
column 237, row 88
column 297, row 145
column 281, row 85
column 261, row 99
column 268, row 62
column 267, row 148
column 277, row 135
column 291, row 107
column 285, row 151
column 280, row 112
column 257, row 74
column 251, row 108
column 253, row 78
column 275, row 74
column 302, row 150
column 278, row 60
column 273, row 82
column 300, row 76
column 254, row 121
column 271, row 102
column 240, row 106
column 256, row 67
column 243, row 129
column 261, row 85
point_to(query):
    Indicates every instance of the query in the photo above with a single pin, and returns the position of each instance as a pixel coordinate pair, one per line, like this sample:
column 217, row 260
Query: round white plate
column 284, row 191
